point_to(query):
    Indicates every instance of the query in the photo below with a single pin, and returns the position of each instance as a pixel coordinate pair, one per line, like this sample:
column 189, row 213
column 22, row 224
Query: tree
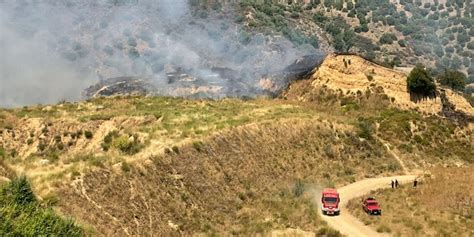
column 454, row 79
column 387, row 38
column 420, row 82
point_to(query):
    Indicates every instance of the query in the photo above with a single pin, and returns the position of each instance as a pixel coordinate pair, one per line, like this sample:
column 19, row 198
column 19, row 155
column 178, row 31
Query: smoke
column 30, row 74
column 52, row 50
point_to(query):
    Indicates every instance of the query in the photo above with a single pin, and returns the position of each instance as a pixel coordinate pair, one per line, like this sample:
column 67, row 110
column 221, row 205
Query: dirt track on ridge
column 346, row 223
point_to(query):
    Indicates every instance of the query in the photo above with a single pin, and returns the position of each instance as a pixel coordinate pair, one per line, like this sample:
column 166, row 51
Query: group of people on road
column 395, row 183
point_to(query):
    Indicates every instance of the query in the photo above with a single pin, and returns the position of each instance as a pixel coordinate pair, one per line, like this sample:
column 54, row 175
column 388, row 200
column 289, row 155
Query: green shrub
column 387, row 38
column 21, row 214
column 75, row 174
column 96, row 161
column 3, row 154
column 402, row 43
column 108, row 140
column 175, row 149
column 105, row 146
column 41, row 146
column 125, row 167
column 365, row 129
column 420, row 82
column 454, row 79
column 198, row 146
column 327, row 232
column 298, row 188
column 52, row 156
column 19, row 191
column 88, row 134
column 124, row 144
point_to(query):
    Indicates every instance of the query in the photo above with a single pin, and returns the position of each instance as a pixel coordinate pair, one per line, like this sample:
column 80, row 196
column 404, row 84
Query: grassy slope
column 238, row 177
column 242, row 181
column 21, row 214
column 418, row 139
column 58, row 133
column 441, row 205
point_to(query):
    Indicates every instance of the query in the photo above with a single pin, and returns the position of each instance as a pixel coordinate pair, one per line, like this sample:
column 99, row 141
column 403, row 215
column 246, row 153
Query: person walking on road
column 396, row 183
column 415, row 182
column 393, row 184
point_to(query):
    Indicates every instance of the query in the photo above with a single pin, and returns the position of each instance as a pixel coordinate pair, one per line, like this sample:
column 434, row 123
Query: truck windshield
column 330, row 199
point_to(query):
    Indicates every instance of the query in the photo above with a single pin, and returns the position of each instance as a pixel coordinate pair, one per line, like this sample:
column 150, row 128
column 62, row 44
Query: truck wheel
column 324, row 213
column 337, row 213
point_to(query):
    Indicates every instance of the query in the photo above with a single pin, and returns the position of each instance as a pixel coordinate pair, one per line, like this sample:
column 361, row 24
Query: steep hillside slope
column 56, row 141
column 169, row 166
column 249, row 180
column 354, row 76
column 377, row 98
column 438, row 34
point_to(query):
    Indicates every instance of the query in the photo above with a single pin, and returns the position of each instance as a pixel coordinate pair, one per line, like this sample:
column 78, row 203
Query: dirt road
column 346, row 223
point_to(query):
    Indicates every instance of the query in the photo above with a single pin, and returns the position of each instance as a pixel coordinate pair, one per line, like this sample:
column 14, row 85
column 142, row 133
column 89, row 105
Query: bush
column 365, row 129
column 175, row 149
column 198, row 146
column 384, row 228
column 19, row 191
column 88, row 134
column 127, row 145
column 419, row 82
column 3, row 154
column 299, row 188
column 327, row 232
column 22, row 215
column 125, row 167
column 108, row 140
column 402, row 43
column 41, row 146
column 454, row 79
column 387, row 38
column 470, row 45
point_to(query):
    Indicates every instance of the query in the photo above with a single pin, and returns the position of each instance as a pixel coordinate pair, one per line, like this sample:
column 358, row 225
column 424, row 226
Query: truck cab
column 330, row 202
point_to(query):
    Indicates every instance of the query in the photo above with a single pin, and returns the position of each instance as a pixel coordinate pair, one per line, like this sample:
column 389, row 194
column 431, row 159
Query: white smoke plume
column 53, row 49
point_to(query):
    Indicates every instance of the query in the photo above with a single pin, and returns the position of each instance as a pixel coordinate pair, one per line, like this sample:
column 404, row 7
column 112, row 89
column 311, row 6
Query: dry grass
column 162, row 165
column 442, row 205
column 41, row 139
column 238, row 182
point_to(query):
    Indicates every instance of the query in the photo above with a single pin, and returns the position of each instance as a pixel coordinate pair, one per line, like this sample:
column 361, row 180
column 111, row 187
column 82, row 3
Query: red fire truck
column 330, row 202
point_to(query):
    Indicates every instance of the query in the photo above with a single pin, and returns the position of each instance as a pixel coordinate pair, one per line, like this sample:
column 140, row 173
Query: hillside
column 396, row 33
column 228, row 118
column 354, row 76
column 142, row 165
column 440, row 205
